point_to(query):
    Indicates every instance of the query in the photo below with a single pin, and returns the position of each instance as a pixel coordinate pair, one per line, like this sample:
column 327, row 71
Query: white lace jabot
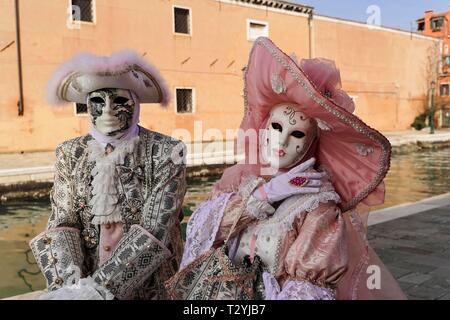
column 104, row 185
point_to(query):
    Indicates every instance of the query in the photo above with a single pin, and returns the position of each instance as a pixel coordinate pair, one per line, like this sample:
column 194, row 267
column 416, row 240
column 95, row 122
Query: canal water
column 412, row 177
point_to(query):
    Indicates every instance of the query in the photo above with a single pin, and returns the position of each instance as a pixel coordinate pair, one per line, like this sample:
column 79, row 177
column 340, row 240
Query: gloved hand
column 85, row 289
column 295, row 181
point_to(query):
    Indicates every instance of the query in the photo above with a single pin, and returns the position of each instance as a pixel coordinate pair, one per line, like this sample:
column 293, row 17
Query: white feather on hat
column 86, row 72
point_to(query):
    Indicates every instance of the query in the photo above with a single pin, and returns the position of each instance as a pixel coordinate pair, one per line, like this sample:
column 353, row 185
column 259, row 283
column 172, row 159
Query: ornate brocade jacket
column 150, row 191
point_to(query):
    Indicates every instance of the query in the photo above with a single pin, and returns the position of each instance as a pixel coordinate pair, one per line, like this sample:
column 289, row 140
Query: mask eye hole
column 97, row 100
column 121, row 100
column 298, row 134
column 277, row 126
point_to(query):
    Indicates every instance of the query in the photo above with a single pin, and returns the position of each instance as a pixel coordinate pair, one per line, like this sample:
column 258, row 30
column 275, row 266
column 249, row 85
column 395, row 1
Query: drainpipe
column 310, row 33
column 20, row 103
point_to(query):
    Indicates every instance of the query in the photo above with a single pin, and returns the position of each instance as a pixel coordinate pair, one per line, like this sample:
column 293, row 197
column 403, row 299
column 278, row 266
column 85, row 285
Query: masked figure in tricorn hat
column 300, row 198
column 114, row 228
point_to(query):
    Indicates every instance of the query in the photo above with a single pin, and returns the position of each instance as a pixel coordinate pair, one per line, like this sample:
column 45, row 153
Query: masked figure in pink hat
column 114, row 228
column 300, row 198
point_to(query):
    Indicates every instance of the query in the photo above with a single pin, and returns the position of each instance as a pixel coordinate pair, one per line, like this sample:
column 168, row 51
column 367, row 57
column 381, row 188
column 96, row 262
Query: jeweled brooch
column 278, row 85
column 298, row 181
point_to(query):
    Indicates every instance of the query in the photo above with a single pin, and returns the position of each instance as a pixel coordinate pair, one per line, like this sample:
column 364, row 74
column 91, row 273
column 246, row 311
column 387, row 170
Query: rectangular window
column 182, row 20
column 445, row 89
column 80, row 108
column 83, row 10
column 257, row 29
column 184, row 100
column 436, row 24
column 421, row 25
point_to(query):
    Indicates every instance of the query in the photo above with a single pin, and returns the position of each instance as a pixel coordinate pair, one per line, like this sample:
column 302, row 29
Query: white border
column 263, row 8
column 194, row 101
column 265, row 23
column 94, row 15
column 191, row 30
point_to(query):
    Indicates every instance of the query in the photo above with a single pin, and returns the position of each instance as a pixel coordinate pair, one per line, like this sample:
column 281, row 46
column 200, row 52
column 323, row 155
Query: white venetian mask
column 287, row 136
column 111, row 110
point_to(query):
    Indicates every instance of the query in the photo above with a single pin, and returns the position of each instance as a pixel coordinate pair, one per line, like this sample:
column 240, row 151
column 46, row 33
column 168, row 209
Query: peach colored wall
column 383, row 70
column 219, row 32
column 373, row 63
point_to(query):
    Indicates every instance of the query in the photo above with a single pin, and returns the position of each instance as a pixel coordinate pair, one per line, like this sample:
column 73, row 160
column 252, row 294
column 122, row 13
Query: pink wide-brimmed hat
column 356, row 156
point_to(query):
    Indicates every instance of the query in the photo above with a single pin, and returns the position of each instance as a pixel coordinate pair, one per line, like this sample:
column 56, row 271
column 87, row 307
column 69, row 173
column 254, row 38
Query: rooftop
column 433, row 14
column 280, row 4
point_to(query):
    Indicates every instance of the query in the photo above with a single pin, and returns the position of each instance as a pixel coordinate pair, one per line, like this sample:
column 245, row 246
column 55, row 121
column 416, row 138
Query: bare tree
column 433, row 71
column 433, row 66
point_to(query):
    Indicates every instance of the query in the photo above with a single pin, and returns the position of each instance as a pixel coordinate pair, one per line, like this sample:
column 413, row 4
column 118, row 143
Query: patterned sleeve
column 144, row 248
column 317, row 259
column 164, row 203
column 64, row 213
column 58, row 250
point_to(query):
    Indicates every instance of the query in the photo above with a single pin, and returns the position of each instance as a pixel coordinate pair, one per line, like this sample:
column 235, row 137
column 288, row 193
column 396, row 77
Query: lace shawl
column 202, row 228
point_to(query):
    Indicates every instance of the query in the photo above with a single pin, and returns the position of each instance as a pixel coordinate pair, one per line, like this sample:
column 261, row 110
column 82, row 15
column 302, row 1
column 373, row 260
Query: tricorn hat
column 86, row 72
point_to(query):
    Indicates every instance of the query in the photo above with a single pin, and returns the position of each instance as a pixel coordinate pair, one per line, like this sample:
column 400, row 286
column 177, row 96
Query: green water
column 412, row 177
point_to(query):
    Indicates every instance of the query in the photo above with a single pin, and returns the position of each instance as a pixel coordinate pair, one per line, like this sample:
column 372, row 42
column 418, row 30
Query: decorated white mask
column 287, row 137
column 111, row 111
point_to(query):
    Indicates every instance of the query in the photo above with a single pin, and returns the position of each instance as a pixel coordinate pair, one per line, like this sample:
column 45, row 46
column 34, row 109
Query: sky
column 393, row 13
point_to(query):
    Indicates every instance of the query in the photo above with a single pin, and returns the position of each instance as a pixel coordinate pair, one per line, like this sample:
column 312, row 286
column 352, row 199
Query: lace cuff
column 295, row 290
column 136, row 257
column 259, row 209
column 59, row 255
column 248, row 185
column 85, row 289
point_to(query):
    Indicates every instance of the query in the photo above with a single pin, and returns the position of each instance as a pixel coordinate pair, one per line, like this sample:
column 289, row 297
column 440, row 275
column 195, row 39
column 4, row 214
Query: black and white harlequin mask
column 113, row 112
